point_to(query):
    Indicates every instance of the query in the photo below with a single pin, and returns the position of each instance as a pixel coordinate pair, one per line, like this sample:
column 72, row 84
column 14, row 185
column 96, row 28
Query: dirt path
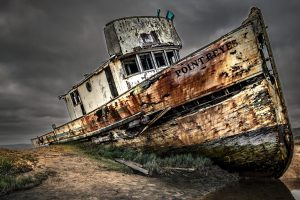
column 79, row 177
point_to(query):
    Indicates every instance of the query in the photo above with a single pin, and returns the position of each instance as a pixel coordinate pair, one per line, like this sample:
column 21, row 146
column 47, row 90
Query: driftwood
column 133, row 165
column 180, row 169
column 139, row 167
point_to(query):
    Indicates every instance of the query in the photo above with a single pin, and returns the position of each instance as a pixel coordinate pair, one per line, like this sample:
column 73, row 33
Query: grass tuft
column 6, row 166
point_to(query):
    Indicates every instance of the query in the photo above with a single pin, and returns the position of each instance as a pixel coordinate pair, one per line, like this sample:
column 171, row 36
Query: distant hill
column 16, row 146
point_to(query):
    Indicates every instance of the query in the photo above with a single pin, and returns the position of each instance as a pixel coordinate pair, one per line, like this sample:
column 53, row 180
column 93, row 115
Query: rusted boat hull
column 253, row 153
column 223, row 101
column 241, row 133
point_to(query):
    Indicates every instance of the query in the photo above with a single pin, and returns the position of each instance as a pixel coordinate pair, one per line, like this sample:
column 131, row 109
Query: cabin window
column 88, row 86
column 75, row 97
column 146, row 61
column 77, row 101
column 149, row 38
column 130, row 65
column 160, row 59
column 149, row 61
column 171, row 57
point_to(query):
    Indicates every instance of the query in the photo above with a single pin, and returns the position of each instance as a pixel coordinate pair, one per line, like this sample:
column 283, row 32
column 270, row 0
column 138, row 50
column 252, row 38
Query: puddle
column 296, row 194
column 259, row 189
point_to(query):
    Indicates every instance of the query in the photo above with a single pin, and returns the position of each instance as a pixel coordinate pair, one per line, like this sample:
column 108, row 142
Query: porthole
column 88, row 86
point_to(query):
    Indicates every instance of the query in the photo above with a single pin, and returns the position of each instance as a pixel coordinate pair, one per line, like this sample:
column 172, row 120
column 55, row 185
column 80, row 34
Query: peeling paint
column 130, row 32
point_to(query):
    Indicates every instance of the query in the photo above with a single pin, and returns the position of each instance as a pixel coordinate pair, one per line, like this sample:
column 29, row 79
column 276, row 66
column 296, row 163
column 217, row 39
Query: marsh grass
column 6, row 166
column 13, row 165
column 9, row 183
column 153, row 162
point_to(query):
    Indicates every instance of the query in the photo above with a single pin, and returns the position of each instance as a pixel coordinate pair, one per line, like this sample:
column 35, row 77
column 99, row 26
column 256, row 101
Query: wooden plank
column 133, row 165
column 162, row 113
column 180, row 169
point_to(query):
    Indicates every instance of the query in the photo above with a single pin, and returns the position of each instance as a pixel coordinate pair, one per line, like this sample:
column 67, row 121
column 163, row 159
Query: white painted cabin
column 138, row 47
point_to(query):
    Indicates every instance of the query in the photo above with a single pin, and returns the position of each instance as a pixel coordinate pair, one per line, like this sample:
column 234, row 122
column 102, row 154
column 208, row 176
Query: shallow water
column 296, row 194
column 294, row 186
column 259, row 189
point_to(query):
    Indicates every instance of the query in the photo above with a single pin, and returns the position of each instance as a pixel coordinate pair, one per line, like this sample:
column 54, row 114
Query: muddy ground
column 76, row 176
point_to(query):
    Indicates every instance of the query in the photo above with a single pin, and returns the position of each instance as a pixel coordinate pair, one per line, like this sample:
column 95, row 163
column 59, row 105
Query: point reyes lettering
column 199, row 62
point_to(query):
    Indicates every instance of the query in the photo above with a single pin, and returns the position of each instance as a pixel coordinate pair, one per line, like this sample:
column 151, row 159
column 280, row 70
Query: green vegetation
column 14, row 182
column 13, row 164
column 154, row 163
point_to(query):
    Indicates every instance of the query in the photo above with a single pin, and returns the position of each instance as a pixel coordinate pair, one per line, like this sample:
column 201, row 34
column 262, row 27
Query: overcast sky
column 46, row 46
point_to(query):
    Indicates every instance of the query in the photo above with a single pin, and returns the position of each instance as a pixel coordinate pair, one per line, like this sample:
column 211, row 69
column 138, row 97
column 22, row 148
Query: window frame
column 137, row 64
column 174, row 54
column 75, row 97
column 147, row 38
column 152, row 61
column 164, row 57
column 152, row 53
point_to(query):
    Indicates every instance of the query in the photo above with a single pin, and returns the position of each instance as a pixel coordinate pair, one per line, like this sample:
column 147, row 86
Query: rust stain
column 222, row 120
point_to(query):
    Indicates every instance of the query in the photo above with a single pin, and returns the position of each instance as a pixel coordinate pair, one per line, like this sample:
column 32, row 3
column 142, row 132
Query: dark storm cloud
column 46, row 46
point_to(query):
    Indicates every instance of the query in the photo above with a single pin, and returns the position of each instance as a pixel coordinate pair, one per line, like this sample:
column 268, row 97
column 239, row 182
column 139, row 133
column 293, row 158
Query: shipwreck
column 223, row 101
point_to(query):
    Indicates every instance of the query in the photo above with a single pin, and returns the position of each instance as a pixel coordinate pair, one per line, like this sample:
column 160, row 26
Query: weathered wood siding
column 250, row 109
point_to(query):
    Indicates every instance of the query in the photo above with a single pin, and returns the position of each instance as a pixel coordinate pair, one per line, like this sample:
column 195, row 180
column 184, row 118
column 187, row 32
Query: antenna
column 158, row 12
